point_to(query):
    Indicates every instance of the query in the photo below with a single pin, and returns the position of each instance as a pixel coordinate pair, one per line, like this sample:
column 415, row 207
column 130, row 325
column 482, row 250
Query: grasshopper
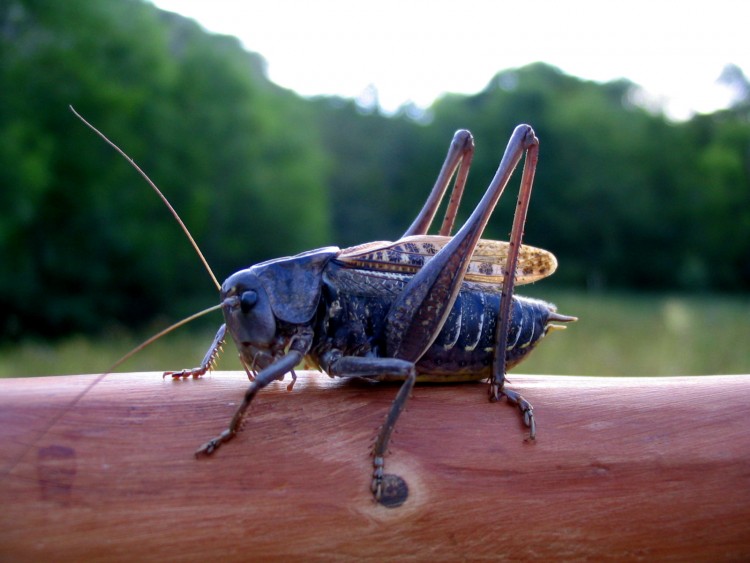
column 436, row 308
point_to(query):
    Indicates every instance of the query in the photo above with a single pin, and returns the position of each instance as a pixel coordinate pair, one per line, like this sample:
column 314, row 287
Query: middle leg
column 388, row 490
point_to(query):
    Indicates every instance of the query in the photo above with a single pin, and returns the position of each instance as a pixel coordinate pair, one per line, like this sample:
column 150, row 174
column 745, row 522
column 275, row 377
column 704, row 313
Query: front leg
column 275, row 371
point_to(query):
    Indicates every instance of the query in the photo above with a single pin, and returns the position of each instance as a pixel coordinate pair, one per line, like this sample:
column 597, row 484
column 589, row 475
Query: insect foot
column 208, row 362
column 527, row 411
column 389, row 490
column 212, row 445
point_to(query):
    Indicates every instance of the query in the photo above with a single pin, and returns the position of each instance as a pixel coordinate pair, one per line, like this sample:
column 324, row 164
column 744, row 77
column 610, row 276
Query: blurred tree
column 623, row 196
column 371, row 160
column 195, row 110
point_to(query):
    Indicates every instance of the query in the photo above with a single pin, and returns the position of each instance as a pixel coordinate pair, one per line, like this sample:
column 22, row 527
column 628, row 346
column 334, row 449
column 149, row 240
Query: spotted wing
column 487, row 265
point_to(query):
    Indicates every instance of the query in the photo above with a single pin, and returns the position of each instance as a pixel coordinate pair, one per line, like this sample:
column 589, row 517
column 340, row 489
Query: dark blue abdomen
column 355, row 305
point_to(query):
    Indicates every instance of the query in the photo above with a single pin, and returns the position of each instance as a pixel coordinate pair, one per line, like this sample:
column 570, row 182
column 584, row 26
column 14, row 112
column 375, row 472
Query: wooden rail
column 627, row 468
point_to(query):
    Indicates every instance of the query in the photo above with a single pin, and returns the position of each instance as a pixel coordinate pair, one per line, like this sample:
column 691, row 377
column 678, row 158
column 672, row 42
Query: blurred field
column 617, row 335
column 636, row 335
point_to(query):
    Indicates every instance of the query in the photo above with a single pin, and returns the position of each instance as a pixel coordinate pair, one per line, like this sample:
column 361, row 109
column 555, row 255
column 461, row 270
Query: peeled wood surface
column 623, row 467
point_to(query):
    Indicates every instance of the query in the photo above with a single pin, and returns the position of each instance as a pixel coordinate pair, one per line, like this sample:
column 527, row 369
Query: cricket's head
column 249, row 316
column 533, row 319
column 264, row 302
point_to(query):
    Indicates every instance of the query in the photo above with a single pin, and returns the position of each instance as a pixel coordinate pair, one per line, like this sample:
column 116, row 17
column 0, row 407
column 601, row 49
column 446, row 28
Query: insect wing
column 487, row 265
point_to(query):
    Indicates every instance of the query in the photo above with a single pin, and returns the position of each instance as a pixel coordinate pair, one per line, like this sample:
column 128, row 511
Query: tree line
column 624, row 197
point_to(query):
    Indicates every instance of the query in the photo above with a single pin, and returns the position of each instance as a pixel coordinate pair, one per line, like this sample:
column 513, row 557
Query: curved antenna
column 158, row 192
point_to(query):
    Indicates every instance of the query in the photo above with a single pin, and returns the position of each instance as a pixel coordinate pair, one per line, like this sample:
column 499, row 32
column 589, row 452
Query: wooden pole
column 625, row 468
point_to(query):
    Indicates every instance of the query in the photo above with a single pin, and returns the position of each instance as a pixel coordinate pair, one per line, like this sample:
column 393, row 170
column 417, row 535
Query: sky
column 413, row 51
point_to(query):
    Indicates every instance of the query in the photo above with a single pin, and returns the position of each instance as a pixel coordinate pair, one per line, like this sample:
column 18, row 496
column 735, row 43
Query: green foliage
column 83, row 241
column 624, row 197
column 374, row 192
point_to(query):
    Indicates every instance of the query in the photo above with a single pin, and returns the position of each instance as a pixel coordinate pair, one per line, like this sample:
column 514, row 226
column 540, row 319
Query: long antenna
column 158, row 192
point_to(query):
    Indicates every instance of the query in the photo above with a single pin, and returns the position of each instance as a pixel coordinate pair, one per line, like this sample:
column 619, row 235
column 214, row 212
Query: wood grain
column 626, row 468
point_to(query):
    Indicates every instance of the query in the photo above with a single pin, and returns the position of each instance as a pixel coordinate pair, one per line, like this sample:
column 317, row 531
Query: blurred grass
column 617, row 335
column 645, row 335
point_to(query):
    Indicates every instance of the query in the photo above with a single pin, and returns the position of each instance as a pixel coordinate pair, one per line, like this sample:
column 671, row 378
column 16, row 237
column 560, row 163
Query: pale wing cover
column 487, row 265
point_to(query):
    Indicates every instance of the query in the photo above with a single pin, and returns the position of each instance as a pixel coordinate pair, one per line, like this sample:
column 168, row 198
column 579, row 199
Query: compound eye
column 248, row 300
